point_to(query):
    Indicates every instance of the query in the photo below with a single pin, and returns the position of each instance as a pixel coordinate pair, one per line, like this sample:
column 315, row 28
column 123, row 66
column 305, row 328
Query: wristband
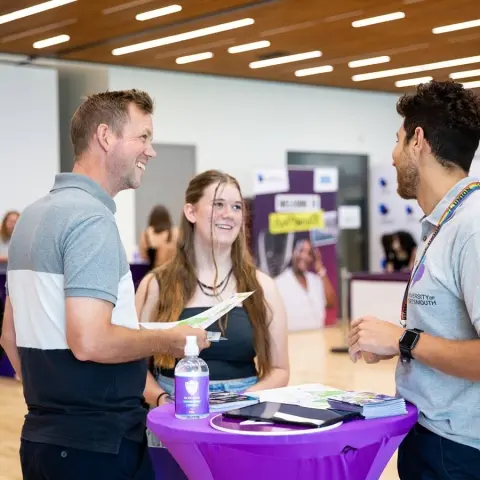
column 160, row 396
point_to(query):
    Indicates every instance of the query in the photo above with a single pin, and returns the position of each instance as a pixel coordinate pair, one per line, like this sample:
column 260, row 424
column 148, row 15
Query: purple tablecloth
column 358, row 450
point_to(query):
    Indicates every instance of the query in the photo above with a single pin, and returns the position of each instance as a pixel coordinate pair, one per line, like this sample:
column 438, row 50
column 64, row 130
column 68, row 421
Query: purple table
column 358, row 450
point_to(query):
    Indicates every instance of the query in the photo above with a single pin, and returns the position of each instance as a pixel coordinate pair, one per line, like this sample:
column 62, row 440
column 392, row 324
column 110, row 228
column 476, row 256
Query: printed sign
column 289, row 202
column 295, row 222
column 325, row 180
column 270, row 181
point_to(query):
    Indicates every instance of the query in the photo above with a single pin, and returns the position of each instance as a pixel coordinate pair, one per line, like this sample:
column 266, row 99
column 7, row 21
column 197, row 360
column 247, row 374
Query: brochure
column 203, row 319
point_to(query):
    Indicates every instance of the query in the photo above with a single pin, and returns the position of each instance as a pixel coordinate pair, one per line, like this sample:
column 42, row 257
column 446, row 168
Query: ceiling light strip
column 389, row 17
column 249, row 46
column 33, row 10
column 159, row 12
column 456, row 26
column 305, row 72
column 285, row 59
column 48, row 42
column 181, row 37
column 369, row 61
column 416, row 68
column 194, row 58
column 475, row 84
column 465, row 74
column 412, row 81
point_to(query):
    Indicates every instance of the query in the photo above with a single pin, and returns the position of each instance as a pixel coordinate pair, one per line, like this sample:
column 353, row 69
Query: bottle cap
column 191, row 347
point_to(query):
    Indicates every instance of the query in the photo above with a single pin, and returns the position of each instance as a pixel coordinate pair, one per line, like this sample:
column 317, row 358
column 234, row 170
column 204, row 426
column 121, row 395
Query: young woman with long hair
column 211, row 263
column 159, row 240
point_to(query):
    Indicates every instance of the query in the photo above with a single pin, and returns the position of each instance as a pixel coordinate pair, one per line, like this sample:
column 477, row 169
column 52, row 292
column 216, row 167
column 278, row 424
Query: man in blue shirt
column 70, row 324
column 438, row 335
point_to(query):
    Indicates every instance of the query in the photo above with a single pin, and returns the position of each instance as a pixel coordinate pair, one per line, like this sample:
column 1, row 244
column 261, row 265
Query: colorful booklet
column 368, row 404
column 203, row 319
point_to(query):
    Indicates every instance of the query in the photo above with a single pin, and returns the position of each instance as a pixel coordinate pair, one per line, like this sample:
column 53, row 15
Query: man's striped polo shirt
column 67, row 244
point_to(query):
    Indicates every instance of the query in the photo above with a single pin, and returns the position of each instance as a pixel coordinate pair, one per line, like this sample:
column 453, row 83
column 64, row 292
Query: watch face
column 409, row 338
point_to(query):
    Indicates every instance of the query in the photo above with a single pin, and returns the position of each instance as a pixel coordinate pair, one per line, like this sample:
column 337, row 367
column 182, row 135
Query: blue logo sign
column 383, row 209
column 325, row 179
column 383, row 182
column 409, row 210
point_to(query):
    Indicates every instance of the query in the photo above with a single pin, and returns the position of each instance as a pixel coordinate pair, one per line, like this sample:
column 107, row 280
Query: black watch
column 407, row 343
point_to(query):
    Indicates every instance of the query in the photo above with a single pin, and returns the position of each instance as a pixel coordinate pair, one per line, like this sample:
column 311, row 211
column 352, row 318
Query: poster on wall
column 389, row 213
column 294, row 238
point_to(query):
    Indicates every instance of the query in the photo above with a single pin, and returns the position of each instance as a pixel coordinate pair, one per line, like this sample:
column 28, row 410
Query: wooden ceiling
column 96, row 27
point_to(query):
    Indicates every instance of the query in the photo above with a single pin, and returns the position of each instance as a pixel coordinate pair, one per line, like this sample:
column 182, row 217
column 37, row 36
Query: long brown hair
column 178, row 280
column 4, row 233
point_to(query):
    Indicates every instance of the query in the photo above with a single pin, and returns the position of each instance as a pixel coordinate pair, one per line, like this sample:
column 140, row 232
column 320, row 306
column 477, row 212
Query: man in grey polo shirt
column 70, row 325
column 438, row 338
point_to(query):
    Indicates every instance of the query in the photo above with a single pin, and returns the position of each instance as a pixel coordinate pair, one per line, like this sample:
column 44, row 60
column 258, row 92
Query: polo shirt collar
column 75, row 180
column 436, row 215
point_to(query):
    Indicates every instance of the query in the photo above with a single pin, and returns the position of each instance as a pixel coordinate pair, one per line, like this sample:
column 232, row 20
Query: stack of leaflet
column 224, row 401
column 369, row 405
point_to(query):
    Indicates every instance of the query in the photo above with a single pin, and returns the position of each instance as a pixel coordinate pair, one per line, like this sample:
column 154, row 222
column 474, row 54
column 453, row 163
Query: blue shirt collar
column 75, row 180
column 443, row 204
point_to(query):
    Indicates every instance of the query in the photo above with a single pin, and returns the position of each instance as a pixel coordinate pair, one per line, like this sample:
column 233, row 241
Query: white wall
column 239, row 125
column 29, row 134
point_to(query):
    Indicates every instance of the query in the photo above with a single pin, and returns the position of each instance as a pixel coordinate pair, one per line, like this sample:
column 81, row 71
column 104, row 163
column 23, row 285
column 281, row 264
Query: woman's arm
column 277, row 318
column 142, row 247
column 329, row 291
column 146, row 299
column 152, row 392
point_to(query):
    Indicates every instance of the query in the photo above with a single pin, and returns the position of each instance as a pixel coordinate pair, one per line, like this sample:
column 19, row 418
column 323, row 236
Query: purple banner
column 291, row 257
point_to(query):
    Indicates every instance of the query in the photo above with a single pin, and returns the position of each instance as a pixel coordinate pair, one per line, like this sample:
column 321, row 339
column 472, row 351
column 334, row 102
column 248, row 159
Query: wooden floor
column 311, row 362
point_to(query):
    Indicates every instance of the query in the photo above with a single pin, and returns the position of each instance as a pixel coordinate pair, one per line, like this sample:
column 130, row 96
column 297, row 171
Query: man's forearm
column 459, row 358
column 119, row 345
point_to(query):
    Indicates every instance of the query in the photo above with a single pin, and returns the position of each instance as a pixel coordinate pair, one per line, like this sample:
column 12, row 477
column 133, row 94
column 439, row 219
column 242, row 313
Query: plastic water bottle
column 191, row 384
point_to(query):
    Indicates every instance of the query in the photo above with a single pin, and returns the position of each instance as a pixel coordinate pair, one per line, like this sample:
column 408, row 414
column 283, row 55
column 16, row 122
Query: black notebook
column 284, row 413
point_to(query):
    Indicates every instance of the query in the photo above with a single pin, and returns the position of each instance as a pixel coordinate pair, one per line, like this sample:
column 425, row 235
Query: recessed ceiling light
column 456, row 26
column 159, row 12
column 39, row 8
column 181, row 37
column 416, row 68
column 412, row 81
column 194, row 58
column 466, row 74
column 475, row 84
column 380, row 19
column 313, row 71
column 249, row 46
column 285, row 59
column 368, row 61
column 48, row 42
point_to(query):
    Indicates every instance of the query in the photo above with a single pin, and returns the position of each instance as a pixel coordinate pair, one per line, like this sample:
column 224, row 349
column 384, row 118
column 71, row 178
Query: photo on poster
column 329, row 234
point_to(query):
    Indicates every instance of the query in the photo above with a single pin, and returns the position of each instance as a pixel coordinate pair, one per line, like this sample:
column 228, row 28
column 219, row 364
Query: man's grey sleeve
column 469, row 280
column 91, row 260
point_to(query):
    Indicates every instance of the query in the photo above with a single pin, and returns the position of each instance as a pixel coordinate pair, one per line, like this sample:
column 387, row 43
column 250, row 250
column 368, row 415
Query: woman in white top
column 6, row 231
column 306, row 295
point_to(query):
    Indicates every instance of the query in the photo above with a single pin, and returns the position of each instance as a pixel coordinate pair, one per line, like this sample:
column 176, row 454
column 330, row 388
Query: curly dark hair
column 449, row 115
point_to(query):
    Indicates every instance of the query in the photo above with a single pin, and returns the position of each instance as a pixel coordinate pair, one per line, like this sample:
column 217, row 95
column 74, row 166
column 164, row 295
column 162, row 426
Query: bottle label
column 192, row 395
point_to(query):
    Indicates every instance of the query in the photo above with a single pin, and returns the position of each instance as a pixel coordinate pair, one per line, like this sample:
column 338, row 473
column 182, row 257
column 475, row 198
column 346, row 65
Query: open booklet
column 203, row 319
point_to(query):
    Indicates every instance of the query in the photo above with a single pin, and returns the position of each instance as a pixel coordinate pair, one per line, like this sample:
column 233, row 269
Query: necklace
column 223, row 284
